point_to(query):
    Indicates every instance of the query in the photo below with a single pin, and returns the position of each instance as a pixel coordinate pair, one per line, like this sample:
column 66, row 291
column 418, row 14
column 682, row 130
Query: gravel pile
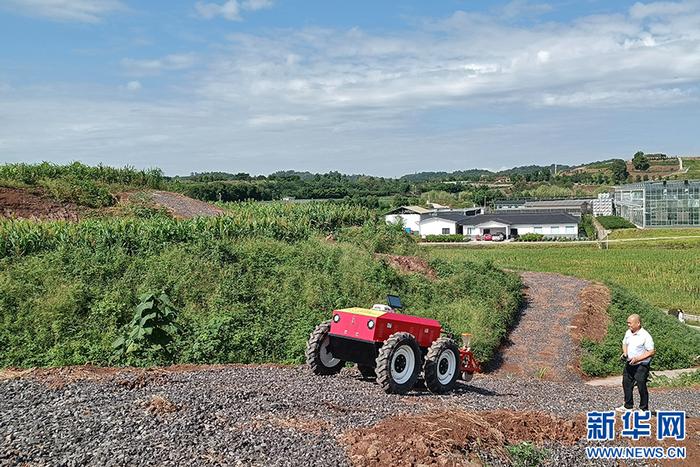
column 250, row 415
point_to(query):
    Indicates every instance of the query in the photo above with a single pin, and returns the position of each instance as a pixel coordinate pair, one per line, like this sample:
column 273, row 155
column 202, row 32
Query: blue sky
column 382, row 88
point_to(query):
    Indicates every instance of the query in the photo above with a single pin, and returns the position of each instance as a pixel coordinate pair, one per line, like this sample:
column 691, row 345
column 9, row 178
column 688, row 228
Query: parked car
column 498, row 237
column 487, row 237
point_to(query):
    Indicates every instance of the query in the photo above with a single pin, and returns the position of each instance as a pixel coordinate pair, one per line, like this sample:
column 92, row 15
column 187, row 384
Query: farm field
column 665, row 273
column 693, row 166
column 651, row 233
column 249, row 286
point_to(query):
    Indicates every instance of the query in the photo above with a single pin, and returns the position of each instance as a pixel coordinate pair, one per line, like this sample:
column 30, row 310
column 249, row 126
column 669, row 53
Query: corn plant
column 151, row 330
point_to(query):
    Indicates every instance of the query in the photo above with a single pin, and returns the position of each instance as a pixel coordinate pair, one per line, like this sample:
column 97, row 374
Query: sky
column 378, row 87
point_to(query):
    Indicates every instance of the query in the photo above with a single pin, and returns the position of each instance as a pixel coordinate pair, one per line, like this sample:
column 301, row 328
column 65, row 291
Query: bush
column 79, row 191
column 588, row 227
column 614, row 222
column 151, row 331
column 251, row 299
column 677, row 346
column 686, row 379
column 446, row 238
column 527, row 454
column 530, row 237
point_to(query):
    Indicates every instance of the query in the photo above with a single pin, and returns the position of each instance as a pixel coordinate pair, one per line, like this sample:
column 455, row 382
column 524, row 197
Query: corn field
column 279, row 221
column 30, row 174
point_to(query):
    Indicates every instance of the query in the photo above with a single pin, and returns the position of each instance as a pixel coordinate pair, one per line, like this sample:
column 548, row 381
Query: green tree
column 640, row 161
column 619, row 170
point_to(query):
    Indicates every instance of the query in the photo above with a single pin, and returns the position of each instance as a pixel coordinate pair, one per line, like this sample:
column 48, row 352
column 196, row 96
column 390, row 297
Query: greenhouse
column 660, row 203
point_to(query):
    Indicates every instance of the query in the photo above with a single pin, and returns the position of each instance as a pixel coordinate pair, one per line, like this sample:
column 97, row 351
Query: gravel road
column 249, row 415
column 541, row 344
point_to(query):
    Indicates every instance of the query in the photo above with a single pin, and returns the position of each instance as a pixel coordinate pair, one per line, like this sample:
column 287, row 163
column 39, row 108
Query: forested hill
column 478, row 174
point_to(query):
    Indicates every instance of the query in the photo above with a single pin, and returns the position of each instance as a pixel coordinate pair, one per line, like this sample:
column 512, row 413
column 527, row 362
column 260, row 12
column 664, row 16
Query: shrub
column 531, row 237
column 686, row 379
column 527, row 454
column 677, row 346
column 80, row 191
column 446, row 238
column 588, row 227
column 249, row 299
column 151, row 331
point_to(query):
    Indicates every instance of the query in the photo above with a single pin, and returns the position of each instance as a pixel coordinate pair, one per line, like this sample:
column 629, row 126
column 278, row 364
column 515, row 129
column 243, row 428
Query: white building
column 415, row 217
column 555, row 224
column 603, row 206
column 409, row 215
column 442, row 223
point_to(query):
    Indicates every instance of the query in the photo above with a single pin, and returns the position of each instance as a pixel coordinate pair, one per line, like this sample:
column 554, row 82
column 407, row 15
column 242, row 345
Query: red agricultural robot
column 395, row 348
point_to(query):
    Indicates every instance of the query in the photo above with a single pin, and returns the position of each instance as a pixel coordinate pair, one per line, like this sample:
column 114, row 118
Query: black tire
column 317, row 352
column 442, row 366
column 394, row 372
column 367, row 371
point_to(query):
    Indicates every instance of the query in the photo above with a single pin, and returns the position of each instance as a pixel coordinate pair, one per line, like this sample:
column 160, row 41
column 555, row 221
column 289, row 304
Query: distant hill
column 482, row 174
column 471, row 174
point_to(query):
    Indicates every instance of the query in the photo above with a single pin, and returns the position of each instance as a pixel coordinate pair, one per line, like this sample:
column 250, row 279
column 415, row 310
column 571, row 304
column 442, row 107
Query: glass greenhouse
column 660, row 204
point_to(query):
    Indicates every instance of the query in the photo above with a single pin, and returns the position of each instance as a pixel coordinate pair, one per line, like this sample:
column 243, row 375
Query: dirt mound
column 18, row 203
column 409, row 265
column 129, row 377
column 179, row 206
column 455, row 438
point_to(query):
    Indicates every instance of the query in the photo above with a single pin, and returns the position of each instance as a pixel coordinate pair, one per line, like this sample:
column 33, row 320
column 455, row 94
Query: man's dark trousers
column 638, row 373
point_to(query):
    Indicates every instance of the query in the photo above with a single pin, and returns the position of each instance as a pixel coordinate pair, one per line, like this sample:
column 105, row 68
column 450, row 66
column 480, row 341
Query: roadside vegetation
column 661, row 273
column 652, row 233
column 678, row 346
column 248, row 287
column 684, row 380
column 664, row 273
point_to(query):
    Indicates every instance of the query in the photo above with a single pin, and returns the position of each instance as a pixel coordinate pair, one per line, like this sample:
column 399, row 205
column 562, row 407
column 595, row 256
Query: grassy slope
column 650, row 233
column 693, row 166
column 667, row 274
column 252, row 300
column 676, row 345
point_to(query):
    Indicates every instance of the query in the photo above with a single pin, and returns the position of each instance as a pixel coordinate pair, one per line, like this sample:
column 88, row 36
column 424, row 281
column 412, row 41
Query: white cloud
column 518, row 8
column 463, row 60
column 230, row 9
column 271, row 120
column 630, row 98
column 171, row 62
column 133, row 86
column 86, row 11
column 662, row 9
column 253, row 5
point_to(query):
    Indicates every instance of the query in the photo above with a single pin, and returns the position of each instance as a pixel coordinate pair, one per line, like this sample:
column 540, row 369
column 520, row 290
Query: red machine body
column 377, row 326
column 393, row 348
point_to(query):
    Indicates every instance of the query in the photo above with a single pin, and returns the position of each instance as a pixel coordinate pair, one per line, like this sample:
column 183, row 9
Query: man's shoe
column 622, row 408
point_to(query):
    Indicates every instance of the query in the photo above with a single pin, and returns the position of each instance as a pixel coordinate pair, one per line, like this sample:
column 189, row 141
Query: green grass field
column 651, row 233
column 693, row 166
column 665, row 273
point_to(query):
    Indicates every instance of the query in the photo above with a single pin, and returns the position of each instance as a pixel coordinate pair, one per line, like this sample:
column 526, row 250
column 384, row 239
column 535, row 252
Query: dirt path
column 542, row 344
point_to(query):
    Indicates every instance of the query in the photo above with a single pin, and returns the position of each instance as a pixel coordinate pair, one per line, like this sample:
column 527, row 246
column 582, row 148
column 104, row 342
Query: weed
column 527, row 454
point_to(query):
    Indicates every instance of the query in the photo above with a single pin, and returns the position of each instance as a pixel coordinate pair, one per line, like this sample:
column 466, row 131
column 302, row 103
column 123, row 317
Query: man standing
column 637, row 350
